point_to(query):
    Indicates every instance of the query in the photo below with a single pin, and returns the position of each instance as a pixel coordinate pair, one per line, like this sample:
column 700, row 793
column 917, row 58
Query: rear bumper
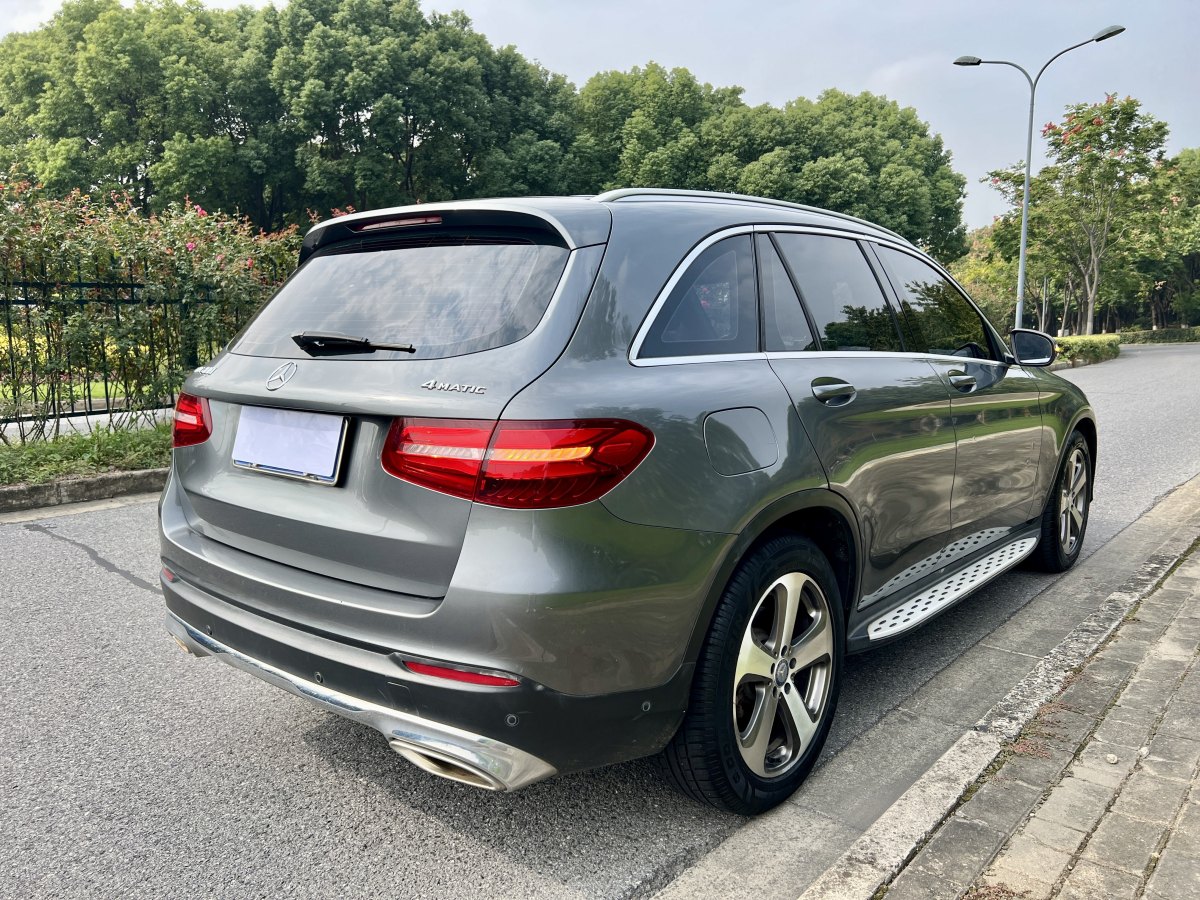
column 507, row 737
column 498, row 766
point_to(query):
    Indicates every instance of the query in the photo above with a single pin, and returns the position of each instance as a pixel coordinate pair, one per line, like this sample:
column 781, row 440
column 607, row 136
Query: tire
column 1065, row 518
column 758, row 717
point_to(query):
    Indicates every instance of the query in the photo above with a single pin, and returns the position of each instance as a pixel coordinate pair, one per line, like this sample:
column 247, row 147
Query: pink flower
column 191, row 245
column 200, row 212
column 250, row 262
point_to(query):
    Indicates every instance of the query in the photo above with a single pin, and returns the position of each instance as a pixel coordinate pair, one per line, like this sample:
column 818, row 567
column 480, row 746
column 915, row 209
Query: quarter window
column 940, row 319
column 837, row 285
column 713, row 309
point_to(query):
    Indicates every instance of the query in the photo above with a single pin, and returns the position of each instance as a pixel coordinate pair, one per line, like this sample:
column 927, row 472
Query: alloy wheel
column 1072, row 502
column 783, row 675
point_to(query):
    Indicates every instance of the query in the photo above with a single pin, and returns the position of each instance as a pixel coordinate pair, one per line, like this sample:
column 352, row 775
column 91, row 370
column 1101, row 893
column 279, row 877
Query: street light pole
column 1103, row 35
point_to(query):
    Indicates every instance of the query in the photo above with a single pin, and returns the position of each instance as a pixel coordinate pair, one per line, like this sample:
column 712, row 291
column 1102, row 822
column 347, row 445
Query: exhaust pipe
column 445, row 766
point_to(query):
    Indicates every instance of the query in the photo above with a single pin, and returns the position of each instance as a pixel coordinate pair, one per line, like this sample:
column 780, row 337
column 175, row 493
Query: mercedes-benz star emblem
column 281, row 376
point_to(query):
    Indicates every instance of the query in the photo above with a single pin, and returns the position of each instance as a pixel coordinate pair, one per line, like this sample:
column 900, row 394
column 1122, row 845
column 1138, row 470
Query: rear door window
column 836, row 283
column 785, row 328
column 713, row 309
column 940, row 319
column 447, row 296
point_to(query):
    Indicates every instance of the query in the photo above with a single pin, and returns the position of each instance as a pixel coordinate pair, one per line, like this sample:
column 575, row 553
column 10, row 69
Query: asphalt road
column 128, row 769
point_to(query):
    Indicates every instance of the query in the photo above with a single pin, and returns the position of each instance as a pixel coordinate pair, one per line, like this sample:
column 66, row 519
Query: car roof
column 585, row 220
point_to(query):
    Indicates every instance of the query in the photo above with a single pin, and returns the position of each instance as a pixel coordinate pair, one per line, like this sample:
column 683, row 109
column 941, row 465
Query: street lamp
column 1102, row 35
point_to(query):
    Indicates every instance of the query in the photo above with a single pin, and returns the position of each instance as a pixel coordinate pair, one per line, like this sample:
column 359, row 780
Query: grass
column 86, row 454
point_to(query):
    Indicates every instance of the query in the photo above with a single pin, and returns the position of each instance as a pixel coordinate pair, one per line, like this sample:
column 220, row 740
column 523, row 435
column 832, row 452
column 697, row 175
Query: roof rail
column 623, row 193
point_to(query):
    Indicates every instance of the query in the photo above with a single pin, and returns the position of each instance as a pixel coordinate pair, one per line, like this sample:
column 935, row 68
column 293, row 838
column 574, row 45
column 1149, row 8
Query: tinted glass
column 446, row 299
column 841, row 293
column 785, row 327
column 713, row 309
column 940, row 318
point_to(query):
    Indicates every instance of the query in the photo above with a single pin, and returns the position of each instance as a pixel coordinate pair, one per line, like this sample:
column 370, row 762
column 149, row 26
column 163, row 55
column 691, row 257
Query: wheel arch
column 1086, row 426
column 822, row 516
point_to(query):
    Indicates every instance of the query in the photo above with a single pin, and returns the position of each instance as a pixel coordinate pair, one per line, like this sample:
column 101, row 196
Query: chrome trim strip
column 497, row 762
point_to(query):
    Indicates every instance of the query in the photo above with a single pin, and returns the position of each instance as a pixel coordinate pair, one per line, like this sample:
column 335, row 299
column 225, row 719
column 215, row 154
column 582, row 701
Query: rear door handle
column 961, row 381
column 833, row 392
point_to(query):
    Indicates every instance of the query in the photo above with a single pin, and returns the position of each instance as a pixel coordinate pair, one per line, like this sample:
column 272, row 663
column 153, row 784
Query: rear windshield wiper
column 330, row 343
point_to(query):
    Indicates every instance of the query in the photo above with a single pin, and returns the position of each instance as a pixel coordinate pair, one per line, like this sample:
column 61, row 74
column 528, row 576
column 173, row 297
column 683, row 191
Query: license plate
column 290, row 443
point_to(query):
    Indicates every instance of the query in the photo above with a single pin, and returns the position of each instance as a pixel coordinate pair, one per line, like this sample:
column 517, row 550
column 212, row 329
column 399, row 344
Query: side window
column 837, row 285
column 785, row 327
column 939, row 316
column 712, row 309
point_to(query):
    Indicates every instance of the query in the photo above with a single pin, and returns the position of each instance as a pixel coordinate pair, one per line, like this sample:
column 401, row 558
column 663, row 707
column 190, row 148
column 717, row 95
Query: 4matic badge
column 432, row 385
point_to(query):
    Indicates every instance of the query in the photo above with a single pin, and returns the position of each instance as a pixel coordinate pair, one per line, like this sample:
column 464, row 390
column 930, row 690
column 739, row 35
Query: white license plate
column 290, row 443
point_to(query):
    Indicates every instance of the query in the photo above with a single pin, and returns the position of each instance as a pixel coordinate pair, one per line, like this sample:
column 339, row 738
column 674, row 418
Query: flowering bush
column 107, row 309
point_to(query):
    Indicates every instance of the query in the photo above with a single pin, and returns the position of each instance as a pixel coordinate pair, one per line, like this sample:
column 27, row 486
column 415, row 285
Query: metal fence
column 113, row 346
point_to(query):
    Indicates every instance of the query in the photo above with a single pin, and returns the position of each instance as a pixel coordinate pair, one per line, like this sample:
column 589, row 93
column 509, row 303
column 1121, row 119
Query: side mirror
column 1033, row 348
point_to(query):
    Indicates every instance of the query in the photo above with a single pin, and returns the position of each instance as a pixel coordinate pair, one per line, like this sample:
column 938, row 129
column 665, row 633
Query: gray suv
column 536, row 485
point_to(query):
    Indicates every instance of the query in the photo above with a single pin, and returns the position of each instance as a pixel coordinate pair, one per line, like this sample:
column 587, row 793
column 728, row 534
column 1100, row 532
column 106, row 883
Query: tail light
column 520, row 465
column 193, row 421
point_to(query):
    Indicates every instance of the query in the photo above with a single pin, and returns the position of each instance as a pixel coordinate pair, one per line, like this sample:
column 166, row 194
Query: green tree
column 1098, row 189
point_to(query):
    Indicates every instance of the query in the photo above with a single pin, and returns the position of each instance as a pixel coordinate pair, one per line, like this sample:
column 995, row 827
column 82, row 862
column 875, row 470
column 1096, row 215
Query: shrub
column 106, row 309
column 1161, row 336
column 1086, row 349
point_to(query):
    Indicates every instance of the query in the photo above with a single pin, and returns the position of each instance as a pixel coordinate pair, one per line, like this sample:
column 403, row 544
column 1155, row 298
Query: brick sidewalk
column 1098, row 796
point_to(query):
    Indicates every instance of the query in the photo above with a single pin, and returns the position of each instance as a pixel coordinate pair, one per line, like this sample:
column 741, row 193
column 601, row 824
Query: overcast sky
column 903, row 49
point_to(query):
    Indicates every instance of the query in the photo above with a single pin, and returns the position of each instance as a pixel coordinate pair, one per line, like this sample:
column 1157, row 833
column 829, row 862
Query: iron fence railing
column 102, row 345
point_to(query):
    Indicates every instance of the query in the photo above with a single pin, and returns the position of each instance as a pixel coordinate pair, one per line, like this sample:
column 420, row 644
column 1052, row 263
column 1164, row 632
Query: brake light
column 193, row 421
column 399, row 223
column 519, row 465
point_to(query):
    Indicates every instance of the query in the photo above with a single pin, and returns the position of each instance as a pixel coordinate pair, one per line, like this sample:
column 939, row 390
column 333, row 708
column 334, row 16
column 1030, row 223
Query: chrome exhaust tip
column 446, row 766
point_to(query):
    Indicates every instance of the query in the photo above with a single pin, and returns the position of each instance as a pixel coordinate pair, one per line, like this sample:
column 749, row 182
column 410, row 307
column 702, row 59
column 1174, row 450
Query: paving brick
column 1076, row 803
column 1172, row 757
column 1124, row 843
column 1053, row 834
column 1136, row 712
column 1062, row 728
column 1127, row 648
column 1181, row 719
column 1177, row 875
column 1001, row 803
column 1023, row 884
column 1149, row 798
column 1090, row 696
column 1093, row 765
column 1089, row 881
column 1127, row 735
column 950, row 862
column 1039, row 771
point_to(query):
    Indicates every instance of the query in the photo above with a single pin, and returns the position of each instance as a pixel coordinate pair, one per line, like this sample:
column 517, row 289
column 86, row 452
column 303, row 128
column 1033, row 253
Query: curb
column 886, row 847
column 78, row 490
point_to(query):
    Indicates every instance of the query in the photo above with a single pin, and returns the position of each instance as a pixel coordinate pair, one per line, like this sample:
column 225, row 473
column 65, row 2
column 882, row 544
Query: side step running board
column 934, row 599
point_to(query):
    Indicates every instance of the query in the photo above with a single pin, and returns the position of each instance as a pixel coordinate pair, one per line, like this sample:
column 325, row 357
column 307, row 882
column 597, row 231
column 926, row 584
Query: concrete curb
column 886, row 847
column 78, row 490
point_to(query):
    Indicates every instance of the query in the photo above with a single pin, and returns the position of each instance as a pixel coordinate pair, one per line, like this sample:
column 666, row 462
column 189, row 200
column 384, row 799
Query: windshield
column 449, row 298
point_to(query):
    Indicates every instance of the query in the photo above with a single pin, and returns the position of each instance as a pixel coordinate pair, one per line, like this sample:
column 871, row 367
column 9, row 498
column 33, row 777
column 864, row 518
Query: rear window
column 446, row 297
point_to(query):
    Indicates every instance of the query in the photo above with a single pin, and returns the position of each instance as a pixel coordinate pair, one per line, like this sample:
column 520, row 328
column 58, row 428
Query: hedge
column 1161, row 336
column 1085, row 349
